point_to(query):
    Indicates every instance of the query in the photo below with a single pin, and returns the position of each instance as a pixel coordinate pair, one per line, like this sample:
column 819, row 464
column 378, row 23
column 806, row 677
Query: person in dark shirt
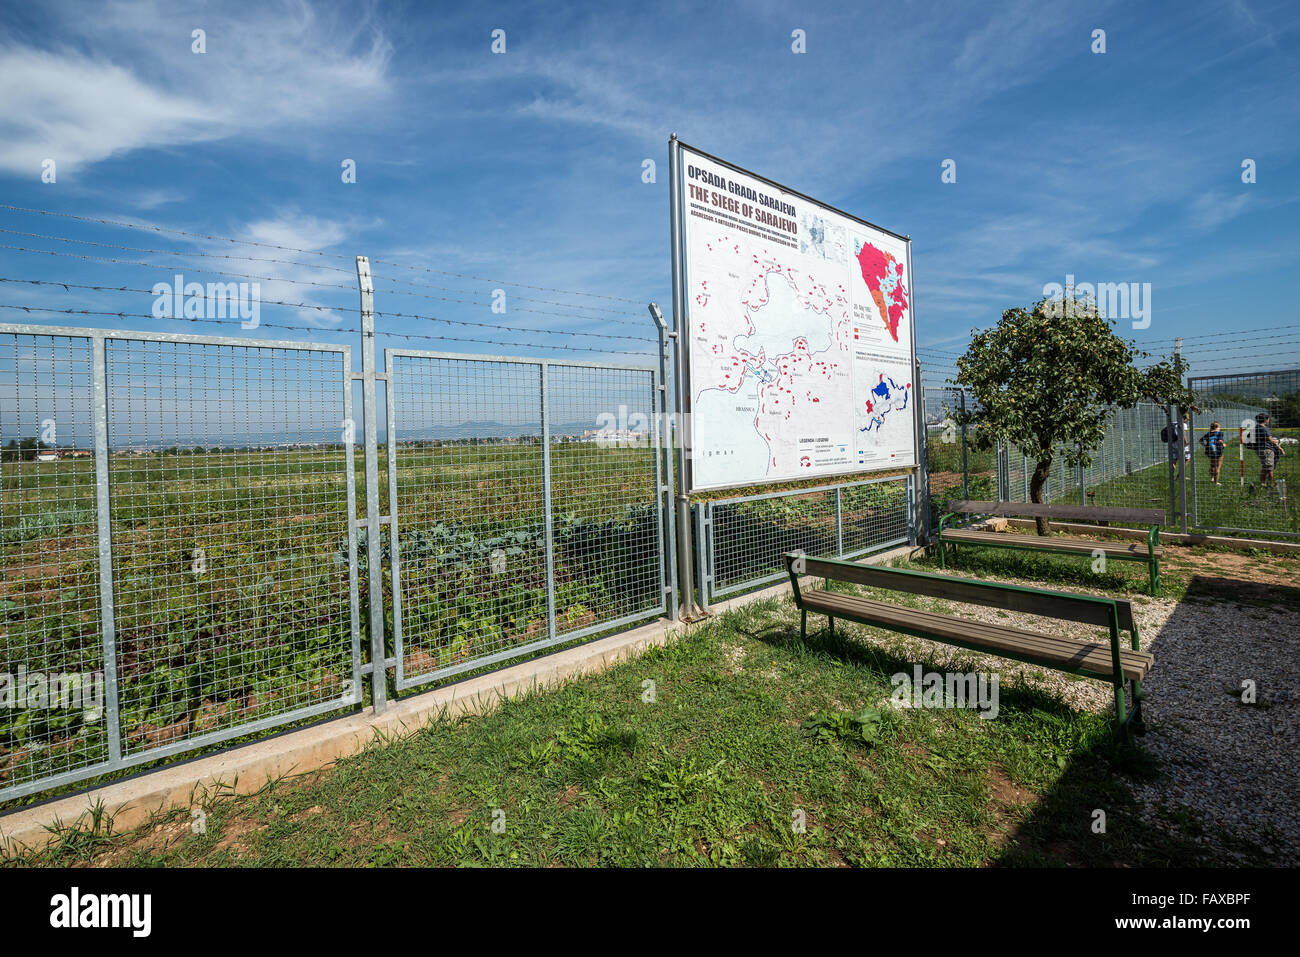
column 1267, row 448
column 1214, row 445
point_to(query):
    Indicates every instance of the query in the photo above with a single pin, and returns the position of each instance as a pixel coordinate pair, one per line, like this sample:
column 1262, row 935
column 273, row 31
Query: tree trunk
column 1036, row 483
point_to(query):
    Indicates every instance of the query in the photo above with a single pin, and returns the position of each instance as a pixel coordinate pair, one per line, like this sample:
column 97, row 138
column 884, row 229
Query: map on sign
column 799, row 334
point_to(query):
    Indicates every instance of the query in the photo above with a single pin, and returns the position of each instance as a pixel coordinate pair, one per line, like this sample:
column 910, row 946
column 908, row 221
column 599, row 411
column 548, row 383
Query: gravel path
column 1234, row 765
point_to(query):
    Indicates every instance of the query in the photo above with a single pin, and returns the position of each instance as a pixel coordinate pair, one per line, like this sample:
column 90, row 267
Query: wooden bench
column 1111, row 662
column 1151, row 552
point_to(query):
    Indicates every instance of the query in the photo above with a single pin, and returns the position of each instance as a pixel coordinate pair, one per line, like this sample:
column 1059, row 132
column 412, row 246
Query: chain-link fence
column 740, row 540
column 1131, row 466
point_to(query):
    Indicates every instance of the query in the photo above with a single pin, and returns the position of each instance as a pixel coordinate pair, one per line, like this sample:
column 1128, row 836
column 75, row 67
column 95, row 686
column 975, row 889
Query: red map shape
column 877, row 266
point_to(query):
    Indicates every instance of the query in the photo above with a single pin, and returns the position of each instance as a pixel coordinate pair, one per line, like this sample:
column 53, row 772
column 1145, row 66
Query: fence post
column 914, row 518
column 1191, row 438
column 1184, row 444
column 374, row 533
column 839, row 524
column 703, row 547
column 685, row 574
column 668, row 533
column 965, row 462
column 103, row 517
column 548, row 533
column 919, row 495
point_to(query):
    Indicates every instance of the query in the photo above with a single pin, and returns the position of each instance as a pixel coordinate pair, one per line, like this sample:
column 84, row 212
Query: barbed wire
column 145, row 315
column 86, row 257
column 174, row 252
column 308, row 252
column 540, row 312
column 269, row 325
column 307, row 305
column 597, row 313
column 208, row 272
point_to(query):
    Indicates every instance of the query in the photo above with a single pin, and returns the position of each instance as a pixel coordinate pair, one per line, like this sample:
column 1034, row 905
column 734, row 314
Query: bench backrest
column 1066, row 606
column 1089, row 513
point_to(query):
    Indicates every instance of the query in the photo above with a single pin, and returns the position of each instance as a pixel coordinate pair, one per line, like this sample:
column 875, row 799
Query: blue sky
column 525, row 169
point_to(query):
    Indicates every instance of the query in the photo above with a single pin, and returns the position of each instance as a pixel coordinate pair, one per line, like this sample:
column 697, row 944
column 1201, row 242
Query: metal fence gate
column 177, row 564
column 516, row 525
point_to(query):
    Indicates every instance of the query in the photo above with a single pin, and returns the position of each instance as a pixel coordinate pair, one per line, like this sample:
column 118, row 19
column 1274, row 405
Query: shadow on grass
column 1037, row 733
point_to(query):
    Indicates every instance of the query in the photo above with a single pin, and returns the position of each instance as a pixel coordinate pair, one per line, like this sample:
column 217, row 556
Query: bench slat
column 1057, row 543
column 1093, row 513
column 1063, row 605
column 1044, row 649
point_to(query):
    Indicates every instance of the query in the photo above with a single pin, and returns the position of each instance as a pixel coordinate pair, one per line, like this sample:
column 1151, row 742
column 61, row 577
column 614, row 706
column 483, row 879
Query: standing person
column 1173, row 437
column 1214, row 445
column 1267, row 447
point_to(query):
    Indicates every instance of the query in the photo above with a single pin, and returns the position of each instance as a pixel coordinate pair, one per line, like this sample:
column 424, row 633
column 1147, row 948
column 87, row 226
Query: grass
column 749, row 732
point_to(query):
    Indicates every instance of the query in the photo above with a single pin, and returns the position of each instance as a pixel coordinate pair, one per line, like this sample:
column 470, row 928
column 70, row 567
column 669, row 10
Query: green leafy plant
column 861, row 727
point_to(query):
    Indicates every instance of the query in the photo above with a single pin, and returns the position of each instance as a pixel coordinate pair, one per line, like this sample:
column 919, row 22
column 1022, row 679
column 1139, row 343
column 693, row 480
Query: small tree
column 1045, row 378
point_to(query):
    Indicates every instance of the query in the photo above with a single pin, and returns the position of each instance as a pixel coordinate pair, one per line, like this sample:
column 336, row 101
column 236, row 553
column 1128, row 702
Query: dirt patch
column 1005, row 791
column 233, row 832
column 1244, row 570
column 1006, row 799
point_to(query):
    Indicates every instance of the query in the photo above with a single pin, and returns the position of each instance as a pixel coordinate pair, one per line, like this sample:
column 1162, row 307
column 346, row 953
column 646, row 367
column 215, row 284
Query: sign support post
column 681, row 438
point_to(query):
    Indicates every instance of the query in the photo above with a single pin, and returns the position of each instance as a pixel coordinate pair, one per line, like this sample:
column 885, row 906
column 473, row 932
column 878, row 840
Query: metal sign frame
column 681, row 320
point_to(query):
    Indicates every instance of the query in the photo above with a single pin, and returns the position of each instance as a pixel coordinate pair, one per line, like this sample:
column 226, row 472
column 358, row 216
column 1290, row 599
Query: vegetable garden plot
column 524, row 513
column 169, row 568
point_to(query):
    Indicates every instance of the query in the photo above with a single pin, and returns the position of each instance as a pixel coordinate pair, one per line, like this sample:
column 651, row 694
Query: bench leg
column 943, row 554
column 831, row 622
column 803, row 625
column 1139, row 725
column 1121, row 712
column 1155, row 576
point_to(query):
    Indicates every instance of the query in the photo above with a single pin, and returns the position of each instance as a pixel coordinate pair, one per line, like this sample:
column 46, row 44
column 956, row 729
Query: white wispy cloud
column 273, row 70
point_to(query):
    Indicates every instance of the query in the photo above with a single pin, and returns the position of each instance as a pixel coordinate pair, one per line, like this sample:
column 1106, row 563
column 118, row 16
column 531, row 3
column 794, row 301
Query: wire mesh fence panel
column 230, row 507
column 957, row 468
column 1137, row 462
column 872, row 515
column 470, row 521
column 747, row 536
column 52, row 684
column 606, row 522
column 1134, row 465
column 508, row 543
column 1251, row 485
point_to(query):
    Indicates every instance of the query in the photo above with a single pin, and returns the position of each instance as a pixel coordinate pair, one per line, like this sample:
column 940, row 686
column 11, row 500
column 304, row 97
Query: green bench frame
column 1114, row 614
column 1067, row 546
